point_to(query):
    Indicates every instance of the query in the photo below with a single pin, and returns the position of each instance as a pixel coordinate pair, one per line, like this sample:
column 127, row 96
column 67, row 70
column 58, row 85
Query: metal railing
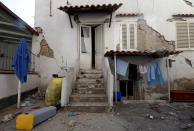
column 6, row 61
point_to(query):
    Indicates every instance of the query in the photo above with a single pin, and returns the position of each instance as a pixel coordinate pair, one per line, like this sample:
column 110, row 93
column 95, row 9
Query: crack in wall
column 188, row 3
column 150, row 39
column 45, row 50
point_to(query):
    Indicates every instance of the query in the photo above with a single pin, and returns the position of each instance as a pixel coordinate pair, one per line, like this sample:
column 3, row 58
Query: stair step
column 85, row 80
column 88, row 98
column 89, row 85
column 89, row 90
column 90, row 71
column 91, row 107
column 90, row 76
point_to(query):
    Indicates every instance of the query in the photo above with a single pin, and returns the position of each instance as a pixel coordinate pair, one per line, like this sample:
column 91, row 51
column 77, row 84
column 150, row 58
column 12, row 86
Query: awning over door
column 105, row 8
column 153, row 54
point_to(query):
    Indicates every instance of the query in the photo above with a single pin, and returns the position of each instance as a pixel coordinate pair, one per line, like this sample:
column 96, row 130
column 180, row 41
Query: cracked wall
column 45, row 50
column 150, row 39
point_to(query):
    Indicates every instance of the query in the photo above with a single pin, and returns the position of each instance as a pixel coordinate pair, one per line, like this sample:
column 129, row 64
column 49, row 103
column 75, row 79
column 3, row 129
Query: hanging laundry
column 122, row 67
column 142, row 69
column 154, row 75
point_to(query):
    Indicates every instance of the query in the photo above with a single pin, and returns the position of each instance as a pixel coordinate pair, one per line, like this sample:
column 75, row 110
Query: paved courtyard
column 126, row 116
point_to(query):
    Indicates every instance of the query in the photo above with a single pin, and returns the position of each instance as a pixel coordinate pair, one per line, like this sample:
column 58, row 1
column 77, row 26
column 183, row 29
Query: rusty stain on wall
column 150, row 39
column 175, row 19
column 183, row 84
column 45, row 50
column 188, row 3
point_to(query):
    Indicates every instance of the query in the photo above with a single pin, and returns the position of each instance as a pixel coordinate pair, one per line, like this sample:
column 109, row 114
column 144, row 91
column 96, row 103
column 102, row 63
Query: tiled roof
column 90, row 8
column 183, row 15
column 155, row 54
column 8, row 11
column 127, row 14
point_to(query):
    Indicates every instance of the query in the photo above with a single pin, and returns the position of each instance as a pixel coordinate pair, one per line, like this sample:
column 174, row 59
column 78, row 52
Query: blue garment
column 122, row 67
column 154, row 75
column 21, row 60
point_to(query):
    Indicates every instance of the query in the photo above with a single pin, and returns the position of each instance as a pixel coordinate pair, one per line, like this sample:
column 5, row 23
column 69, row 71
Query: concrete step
column 89, row 85
column 91, row 107
column 89, row 91
column 82, row 71
column 90, row 76
column 88, row 98
column 86, row 80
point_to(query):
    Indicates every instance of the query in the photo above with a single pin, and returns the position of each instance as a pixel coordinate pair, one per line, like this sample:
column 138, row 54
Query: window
column 128, row 36
column 185, row 35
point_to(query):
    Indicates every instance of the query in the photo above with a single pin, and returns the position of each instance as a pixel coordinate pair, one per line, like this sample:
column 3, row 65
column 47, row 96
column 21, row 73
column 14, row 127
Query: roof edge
column 6, row 9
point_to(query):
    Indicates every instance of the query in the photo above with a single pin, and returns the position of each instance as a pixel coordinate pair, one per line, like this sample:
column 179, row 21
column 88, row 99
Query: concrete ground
column 127, row 116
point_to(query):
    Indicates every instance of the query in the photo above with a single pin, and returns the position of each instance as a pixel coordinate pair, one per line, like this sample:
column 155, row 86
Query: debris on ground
column 35, row 107
column 172, row 113
column 26, row 103
column 155, row 109
column 152, row 117
column 185, row 126
column 72, row 114
column 72, row 123
column 7, row 118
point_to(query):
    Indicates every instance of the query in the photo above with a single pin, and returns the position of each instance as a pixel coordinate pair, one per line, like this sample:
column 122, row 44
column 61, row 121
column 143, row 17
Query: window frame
column 128, row 36
column 187, row 22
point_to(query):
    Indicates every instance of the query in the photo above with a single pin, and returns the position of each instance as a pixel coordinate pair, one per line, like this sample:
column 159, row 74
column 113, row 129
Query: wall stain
column 184, row 84
column 150, row 39
column 45, row 50
column 188, row 3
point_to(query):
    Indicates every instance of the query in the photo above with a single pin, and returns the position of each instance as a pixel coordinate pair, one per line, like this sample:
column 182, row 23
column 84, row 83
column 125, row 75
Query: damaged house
column 104, row 46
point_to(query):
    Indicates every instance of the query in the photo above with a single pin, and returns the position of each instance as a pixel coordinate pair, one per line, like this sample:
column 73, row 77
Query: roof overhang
column 154, row 54
column 183, row 15
column 105, row 8
column 8, row 11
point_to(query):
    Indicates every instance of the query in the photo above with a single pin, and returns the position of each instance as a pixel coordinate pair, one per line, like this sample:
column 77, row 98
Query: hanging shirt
column 142, row 69
column 21, row 60
column 154, row 75
column 122, row 67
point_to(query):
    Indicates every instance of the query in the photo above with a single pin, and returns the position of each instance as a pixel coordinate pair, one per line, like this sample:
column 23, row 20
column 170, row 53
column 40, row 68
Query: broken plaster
column 150, row 39
column 188, row 3
column 45, row 50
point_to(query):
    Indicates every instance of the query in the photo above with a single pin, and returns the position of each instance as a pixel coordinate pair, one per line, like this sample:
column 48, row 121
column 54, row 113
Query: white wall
column 9, row 84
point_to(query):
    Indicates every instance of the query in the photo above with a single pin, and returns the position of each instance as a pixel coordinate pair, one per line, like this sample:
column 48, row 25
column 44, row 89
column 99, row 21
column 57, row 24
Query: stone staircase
column 89, row 95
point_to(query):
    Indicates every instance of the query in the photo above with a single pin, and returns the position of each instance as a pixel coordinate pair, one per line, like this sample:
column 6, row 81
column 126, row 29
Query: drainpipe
column 168, row 77
column 115, row 60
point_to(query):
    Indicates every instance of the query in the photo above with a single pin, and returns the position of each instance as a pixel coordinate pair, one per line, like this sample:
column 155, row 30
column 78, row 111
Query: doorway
column 128, row 86
column 91, row 49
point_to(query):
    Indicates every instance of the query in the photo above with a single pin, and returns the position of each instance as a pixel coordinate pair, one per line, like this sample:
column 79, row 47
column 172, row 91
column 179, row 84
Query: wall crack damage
column 45, row 50
column 150, row 39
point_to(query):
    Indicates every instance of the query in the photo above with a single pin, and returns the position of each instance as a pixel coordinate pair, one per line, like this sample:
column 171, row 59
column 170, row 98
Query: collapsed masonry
column 150, row 39
column 45, row 50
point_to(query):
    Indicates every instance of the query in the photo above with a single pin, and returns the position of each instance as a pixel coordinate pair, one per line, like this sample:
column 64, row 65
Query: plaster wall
column 8, row 88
